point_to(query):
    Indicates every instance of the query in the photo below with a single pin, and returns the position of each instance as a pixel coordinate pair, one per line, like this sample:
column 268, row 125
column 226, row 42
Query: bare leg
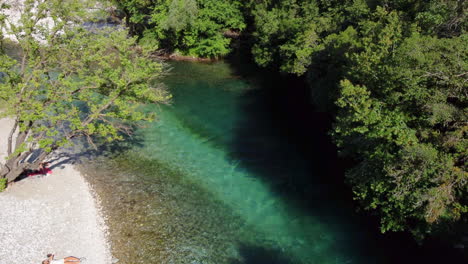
column 72, row 260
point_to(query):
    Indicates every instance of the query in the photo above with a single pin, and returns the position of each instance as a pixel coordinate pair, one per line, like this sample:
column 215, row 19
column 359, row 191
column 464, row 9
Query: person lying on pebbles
column 67, row 260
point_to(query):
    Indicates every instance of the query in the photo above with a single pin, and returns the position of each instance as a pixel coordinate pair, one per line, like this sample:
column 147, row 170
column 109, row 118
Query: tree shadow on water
column 82, row 150
column 260, row 255
column 282, row 140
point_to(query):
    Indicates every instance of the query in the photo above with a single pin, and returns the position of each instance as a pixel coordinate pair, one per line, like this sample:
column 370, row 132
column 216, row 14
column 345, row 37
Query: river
column 238, row 170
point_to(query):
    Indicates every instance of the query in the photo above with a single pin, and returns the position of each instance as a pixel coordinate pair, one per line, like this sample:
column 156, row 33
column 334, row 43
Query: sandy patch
column 57, row 214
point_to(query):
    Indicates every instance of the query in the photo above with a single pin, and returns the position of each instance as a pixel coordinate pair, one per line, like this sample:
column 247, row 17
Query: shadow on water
column 84, row 150
column 259, row 255
column 282, row 141
column 285, row 142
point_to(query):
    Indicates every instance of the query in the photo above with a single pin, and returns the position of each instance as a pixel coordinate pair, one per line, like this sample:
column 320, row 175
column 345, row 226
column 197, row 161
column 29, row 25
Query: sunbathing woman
column 68, row 260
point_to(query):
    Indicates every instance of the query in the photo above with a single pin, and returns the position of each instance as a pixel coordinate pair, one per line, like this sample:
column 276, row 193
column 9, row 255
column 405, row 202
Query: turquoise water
column 229, row 174
column 197, row 136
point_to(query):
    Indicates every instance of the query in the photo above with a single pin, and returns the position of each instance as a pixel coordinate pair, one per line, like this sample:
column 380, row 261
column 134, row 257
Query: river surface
column 236, row 170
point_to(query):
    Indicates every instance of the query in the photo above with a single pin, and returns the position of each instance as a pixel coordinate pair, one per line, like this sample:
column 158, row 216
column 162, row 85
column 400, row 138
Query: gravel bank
column 54, row 214
column 57, row 214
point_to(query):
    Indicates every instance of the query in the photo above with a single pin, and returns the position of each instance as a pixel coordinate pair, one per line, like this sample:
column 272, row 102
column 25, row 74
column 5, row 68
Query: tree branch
column 93, row 116
column 10, row 137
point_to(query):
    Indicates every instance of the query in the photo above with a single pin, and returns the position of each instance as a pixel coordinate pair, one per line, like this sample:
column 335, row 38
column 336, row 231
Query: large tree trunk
column 14, row 174
column 14, row 167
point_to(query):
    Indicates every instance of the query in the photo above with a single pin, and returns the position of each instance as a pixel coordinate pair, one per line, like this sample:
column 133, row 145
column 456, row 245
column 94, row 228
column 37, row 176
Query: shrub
column 3, row 184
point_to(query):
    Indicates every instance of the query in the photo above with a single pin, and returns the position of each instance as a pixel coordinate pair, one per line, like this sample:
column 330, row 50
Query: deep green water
column 231, row 173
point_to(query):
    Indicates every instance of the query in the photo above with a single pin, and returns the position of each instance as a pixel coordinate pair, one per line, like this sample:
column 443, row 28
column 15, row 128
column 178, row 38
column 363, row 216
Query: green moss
column 3, row 184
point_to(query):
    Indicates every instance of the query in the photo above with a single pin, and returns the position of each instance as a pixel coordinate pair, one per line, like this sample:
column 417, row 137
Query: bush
column 3, row 183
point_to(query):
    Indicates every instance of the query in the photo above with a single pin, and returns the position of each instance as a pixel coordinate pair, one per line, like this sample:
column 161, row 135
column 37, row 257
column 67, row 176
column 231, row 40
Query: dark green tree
column 402, row 115
column 199, row 28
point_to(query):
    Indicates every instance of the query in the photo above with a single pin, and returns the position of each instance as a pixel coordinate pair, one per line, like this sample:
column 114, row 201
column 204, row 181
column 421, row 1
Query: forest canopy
column 199, row 28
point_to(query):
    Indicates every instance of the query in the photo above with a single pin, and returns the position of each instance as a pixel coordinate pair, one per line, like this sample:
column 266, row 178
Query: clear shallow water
column 227, row 176
column 198, row 136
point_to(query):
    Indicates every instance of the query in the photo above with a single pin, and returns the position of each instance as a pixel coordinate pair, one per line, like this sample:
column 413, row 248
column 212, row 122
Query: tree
column 402, row 118
column 70, row 82
column 199, row 28
column 286, row 33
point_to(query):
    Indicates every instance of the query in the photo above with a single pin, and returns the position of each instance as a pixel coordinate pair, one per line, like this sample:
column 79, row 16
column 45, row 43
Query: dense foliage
column 200, row 28
column 402, row 117
column 288, row 33
column 393, row 72
column 68, row 81
column 396, row 72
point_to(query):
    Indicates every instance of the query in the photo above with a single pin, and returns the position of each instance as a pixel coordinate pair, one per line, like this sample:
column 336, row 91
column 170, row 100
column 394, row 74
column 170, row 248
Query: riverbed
column 238, row 170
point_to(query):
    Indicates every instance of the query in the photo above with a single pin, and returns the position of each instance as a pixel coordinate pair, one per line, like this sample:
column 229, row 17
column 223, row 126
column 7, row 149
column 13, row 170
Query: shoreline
column 177, row 57
column 59, row 213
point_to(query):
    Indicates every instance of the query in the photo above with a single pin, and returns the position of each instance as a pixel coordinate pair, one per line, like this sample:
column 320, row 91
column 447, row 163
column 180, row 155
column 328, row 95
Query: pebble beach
column 58, row 213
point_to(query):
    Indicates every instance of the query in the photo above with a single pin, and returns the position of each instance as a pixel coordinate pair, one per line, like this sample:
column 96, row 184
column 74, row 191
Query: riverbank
column 59, row 213
column 178, row 57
